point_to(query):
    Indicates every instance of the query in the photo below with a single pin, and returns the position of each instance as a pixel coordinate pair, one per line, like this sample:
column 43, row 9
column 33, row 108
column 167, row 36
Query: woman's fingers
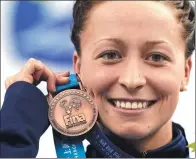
column 50, row 78
column 32, row 66
column 62, row 78
column 34, row 71
column 63, row 74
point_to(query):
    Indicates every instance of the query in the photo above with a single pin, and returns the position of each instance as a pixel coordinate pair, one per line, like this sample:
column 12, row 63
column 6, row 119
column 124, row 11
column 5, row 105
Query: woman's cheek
column 165, row 82
column 167, row 86
column 97, row 79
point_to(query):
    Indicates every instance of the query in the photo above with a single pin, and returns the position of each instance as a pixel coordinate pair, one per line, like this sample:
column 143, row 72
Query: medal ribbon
column 72, row 147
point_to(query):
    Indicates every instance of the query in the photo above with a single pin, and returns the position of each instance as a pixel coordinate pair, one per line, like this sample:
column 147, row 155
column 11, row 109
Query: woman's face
column 133, row 65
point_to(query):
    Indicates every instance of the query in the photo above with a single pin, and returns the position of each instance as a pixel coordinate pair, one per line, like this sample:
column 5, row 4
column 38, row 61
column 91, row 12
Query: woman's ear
column 76, row 63
column 188, row 67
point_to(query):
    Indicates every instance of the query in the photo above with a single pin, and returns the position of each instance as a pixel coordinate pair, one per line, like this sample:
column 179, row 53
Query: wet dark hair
column 185, row 15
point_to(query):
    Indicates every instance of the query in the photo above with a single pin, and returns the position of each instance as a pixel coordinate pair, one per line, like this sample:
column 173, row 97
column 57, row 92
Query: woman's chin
column 132, row 133
column 128, row 130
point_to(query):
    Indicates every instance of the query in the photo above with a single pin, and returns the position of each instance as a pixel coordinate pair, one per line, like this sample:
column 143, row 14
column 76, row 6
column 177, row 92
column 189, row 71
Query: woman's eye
column 110, row 55
column 157, row 58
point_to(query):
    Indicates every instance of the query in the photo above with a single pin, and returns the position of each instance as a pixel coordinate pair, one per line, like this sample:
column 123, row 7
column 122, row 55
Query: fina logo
column 42, row 30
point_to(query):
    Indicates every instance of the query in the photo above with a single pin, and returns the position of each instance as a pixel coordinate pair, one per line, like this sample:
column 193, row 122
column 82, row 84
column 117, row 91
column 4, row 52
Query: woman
column 133, row 57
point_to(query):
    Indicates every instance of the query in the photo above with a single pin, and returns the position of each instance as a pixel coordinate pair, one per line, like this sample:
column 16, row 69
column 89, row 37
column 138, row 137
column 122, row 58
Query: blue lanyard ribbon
column 67, row 147
column 99, row 140
column 72, row 147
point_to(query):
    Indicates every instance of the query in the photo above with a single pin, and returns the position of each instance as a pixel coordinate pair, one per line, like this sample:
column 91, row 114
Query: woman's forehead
column 126, row 9
column 132, row 19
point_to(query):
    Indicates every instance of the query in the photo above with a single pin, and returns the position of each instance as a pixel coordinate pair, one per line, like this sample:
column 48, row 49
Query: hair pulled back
column 185, row 15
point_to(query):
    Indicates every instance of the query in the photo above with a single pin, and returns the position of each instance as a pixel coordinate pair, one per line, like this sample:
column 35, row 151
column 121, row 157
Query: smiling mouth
column 131, row 104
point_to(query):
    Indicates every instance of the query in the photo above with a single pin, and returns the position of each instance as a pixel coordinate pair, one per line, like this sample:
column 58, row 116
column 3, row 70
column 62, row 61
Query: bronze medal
column 72, row 112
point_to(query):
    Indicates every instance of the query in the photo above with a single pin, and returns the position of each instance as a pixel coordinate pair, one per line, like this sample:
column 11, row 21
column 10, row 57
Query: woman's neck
column 160, row 138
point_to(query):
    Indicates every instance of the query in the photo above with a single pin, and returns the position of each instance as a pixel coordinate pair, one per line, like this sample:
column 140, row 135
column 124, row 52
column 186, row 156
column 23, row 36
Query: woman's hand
column 34, row 72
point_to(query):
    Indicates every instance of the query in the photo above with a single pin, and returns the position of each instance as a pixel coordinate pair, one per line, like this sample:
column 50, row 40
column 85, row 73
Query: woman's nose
column 132, row 78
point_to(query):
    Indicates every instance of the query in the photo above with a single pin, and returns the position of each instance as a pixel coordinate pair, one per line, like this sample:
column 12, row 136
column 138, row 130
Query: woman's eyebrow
column 155, row 42
column 117, row 41
column 149, row 44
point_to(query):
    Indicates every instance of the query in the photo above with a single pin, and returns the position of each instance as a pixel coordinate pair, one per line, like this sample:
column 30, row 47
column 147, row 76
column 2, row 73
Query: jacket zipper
column 144, row 154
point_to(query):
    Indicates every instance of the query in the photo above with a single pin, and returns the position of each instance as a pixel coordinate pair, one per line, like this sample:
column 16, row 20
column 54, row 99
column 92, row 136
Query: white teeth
column 131, row 105
column 144, row 104
column 139, row 105
column 118, row 104
column 128, row 105
column 123, row 105
column 134, row 105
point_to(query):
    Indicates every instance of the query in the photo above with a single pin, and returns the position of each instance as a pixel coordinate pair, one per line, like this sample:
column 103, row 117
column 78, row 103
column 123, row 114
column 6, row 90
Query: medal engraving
column 72, row 112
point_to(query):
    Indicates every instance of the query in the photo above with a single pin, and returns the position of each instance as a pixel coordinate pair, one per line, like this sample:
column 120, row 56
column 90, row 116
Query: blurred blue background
column 42, row 30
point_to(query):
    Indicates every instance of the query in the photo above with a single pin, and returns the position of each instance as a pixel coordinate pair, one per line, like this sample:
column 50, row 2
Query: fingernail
column 54, row 89
column 65, row 78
